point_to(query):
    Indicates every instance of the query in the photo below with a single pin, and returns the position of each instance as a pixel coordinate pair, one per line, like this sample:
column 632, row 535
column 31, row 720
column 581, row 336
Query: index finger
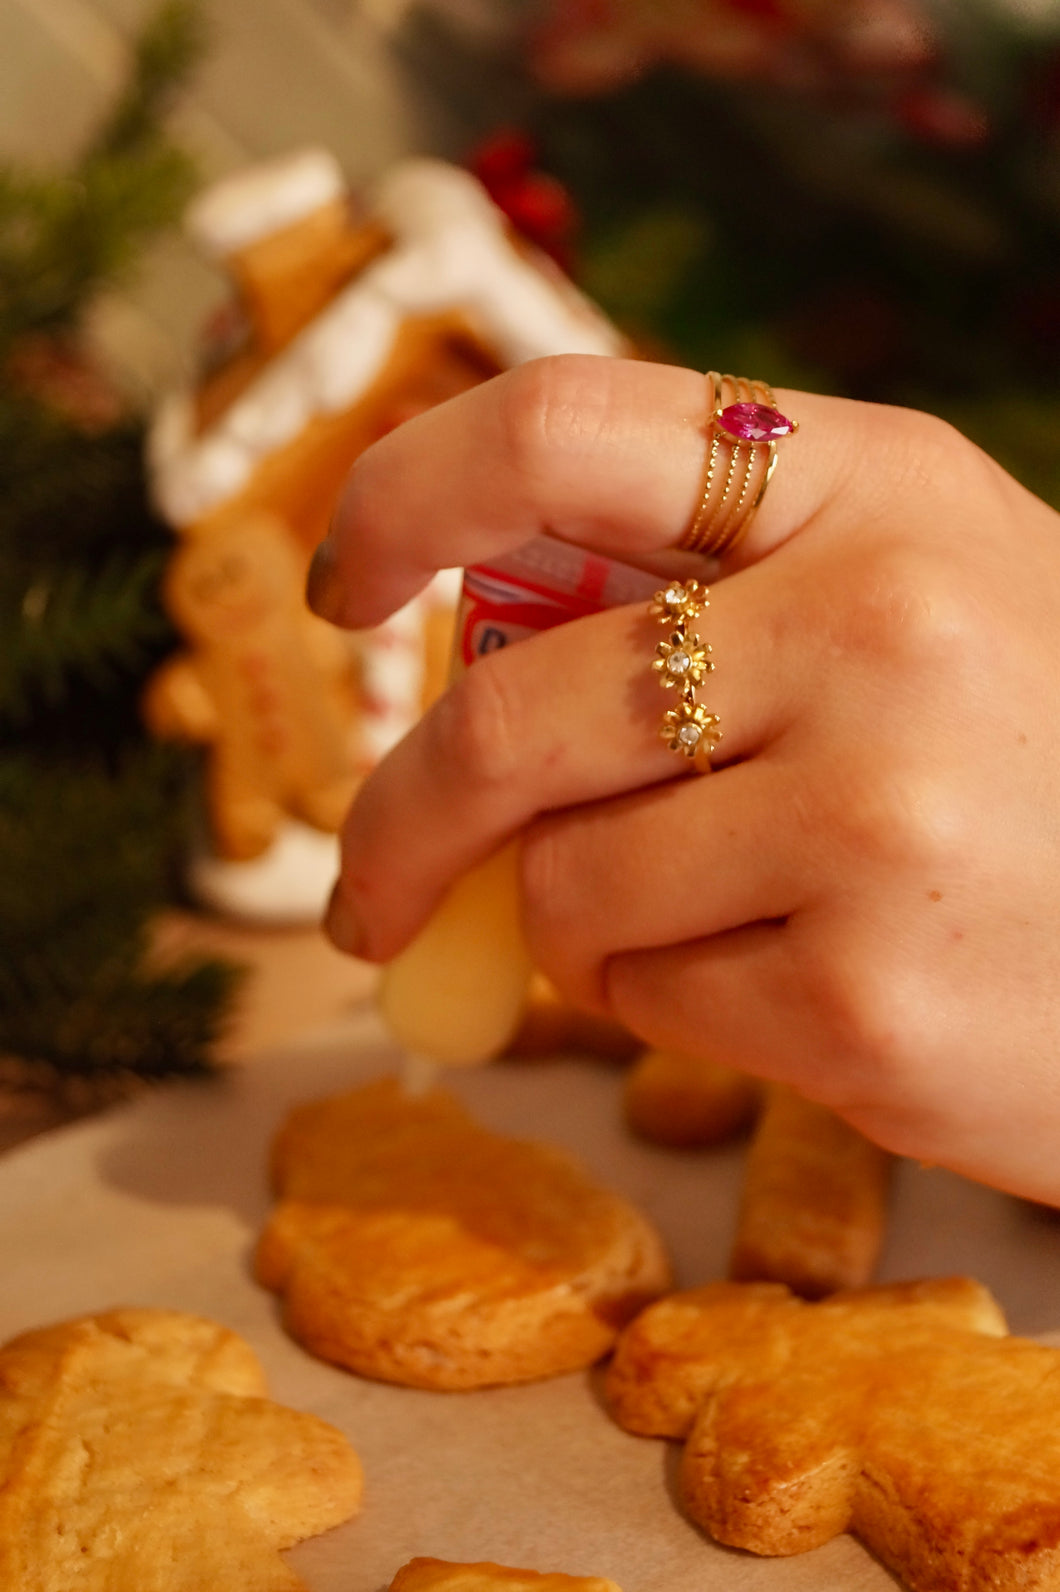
column 607, row 453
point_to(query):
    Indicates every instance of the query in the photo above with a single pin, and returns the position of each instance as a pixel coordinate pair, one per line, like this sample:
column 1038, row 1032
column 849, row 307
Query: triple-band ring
column 681, row 662
column 744, row 428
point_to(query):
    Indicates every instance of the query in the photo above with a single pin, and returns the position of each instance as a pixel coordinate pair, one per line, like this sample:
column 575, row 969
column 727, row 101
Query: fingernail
column 342, row 925
column 323, row 592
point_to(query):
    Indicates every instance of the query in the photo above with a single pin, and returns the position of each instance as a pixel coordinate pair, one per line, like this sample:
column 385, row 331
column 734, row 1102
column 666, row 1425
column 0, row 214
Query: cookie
column 138, row 1450
column 686, row 1101
column 668, row 1361
column 552, row 1027
column 904, row 1414
column 265, row 685
column 413, row 1246
column 813, row 1207
column 438, row 1575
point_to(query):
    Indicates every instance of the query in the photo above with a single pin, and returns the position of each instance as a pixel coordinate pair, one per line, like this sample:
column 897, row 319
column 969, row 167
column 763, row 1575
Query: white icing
column 444, row 590
column 213, row 469
column 251, row 204
column 289, row 884
column 417, row 198
column 393, row 666
column 392, row 672
column 173, row 423
column 451, row 252
column 363, row 326
column 268, row 413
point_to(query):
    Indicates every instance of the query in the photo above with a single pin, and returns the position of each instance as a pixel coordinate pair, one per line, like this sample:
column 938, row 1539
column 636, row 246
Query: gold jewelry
column 681, row 662
column 745, row 426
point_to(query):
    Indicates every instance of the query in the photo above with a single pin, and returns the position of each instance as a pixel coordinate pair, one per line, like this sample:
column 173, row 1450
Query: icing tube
column 456, row 995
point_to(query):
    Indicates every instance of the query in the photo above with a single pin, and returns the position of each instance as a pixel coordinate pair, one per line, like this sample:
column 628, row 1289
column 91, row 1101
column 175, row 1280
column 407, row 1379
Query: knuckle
column 474, row 728
column 903, row 821
column 869, row 1010
column 930, row 456
column 543, row 403
column 906, row 610
column 561, row 933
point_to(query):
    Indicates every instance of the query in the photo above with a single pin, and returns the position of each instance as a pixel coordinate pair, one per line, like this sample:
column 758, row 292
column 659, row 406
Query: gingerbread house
column 349, row 318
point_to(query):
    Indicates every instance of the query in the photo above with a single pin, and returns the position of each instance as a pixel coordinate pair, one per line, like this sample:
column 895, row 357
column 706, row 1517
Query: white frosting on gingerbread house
column 451, row 251
column 251, row 204
column 429, row 249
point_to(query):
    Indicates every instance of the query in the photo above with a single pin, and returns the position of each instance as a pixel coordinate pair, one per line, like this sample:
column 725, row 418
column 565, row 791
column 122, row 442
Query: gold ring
column 745, row 426
column 682, row 662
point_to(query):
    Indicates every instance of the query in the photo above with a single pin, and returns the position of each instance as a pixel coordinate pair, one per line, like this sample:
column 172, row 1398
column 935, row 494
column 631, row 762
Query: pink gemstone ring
column 744, row 428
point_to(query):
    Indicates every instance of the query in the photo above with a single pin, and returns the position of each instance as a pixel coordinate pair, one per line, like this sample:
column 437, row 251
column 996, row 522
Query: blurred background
column 860, row 195
column 855, row 196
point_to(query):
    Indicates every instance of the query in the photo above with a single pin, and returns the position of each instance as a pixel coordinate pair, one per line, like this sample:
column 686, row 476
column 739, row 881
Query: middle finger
column 568, row 717
column 660, row 868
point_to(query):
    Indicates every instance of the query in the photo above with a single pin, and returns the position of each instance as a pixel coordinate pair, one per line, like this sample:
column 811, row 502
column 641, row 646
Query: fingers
column 787, row 1003
column 661, row 868
column 760, row 1008
column 564, row 719
column 607, row 453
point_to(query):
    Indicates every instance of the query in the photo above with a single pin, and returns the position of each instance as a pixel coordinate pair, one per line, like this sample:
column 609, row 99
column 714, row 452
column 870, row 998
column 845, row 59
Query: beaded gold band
column 744, row 428
column 682, row 662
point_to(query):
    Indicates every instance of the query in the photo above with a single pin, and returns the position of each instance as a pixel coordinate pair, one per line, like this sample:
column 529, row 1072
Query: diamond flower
column 688, row 726
column 679, row 600
column 683, row 660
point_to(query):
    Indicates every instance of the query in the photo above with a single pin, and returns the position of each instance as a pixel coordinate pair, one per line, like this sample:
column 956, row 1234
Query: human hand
column 864, row 900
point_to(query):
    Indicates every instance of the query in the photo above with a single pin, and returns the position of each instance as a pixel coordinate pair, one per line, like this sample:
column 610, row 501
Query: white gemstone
column 678, row 663
column 689, row 734
column 675, row 595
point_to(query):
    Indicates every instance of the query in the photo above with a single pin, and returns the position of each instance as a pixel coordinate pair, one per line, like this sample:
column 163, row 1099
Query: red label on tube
column 542, row 584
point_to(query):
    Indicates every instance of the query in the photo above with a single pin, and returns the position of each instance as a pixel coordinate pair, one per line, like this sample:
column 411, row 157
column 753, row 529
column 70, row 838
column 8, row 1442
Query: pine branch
column 87, row 854
column 93, row 818
column 116, row 1028
column 67, row 495
column 63, row 237
column 165, row 56
column 86, row 849
column 77, row 623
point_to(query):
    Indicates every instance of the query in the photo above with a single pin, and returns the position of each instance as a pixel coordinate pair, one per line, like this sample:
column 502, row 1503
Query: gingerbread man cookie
column 267, row 686
column 904, row 1414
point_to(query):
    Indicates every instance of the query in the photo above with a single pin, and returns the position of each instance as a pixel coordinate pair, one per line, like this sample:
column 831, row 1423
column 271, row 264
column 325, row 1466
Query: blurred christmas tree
column 858, row 196
column 91, row 814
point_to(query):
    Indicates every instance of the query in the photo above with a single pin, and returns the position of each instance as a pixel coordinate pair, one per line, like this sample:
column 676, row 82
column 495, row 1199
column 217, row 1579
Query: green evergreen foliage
column 93, row 817
column 80, row 559
column 83, row 853
column 63, row 235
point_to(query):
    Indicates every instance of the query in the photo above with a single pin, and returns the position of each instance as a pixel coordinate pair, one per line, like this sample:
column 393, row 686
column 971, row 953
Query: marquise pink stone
column 755, row 423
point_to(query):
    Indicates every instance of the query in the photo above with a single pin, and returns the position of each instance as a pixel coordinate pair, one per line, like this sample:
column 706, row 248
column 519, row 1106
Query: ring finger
column 566, row 718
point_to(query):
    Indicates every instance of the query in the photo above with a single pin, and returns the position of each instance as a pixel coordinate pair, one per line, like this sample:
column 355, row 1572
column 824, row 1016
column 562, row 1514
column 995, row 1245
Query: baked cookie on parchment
column 414, row 1246
column 138, row 1451
column 902, row 1413
column 439, row 1575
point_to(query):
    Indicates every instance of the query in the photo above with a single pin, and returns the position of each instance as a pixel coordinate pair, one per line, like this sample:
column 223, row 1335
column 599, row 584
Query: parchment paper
column 159, row 1202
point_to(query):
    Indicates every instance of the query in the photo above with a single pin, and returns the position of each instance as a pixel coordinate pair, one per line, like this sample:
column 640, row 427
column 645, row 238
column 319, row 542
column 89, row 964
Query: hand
column 864, row 900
